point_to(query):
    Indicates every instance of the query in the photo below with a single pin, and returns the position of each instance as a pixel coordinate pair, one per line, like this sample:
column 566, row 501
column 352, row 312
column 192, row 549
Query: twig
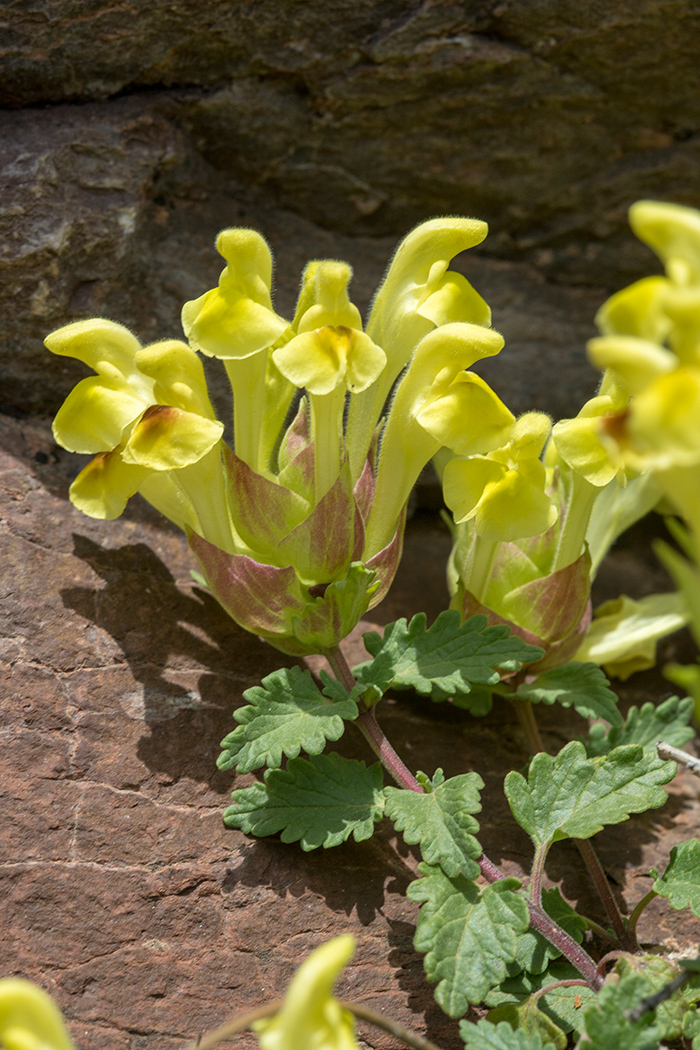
column 674, row 754
column 235, row 1026
column 625, row 935
column 652, row 1001
column 638, row 909
column 240, row 1024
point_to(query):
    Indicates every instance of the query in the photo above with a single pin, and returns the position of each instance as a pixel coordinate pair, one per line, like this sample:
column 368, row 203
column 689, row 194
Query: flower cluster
column 297, row 528
column 530, row 535
column 650, row 347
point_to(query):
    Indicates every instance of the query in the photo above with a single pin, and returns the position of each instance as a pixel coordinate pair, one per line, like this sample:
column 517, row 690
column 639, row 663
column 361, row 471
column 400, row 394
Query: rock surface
column 140, row 129
column 123, row 893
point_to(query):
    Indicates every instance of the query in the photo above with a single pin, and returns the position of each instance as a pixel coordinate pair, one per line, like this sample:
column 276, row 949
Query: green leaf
column 335, row 690
column 319, row 802
column 285, row 714
column 484, row 1035
column 534, row 951
column 528, row 1017
column 582, row 686
column 691, row 1028
column 575, row 796
column 445, row 659
column 680, row 883
column 659, row 974
column 565, row 1005
column 478, row 701
column 468, row 932
column 607, row 1024
column 440, row 820
column 646, row 726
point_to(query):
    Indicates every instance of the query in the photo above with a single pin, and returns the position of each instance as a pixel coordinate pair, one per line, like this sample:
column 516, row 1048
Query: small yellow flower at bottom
column 311, row 1018
column 29, row 1018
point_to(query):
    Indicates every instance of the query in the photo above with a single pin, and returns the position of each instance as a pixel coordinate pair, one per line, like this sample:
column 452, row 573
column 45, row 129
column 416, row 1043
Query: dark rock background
column 130, row 134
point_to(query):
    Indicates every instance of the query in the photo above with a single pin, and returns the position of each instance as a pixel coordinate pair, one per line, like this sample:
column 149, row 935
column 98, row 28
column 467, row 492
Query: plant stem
column 625, row 936
column 373, row 734
column 637, row 911
column 611, row 956
column 539, row 920
column 526, row 717
column 536, row 875
column 340, row 668
column 627, row 939
column 235, row 1026
column 551, row 931
column 599, row 930
column 556, row 984
column 370, row 728
column 411, row 1039
column 244, row 1021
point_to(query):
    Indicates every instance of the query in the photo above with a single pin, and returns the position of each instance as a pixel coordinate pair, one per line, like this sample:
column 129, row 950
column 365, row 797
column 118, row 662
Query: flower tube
column 298, row 528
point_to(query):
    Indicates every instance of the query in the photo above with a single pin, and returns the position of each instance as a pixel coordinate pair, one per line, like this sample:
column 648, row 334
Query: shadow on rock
column 408, row 965
column 191, row 660
column 356, row 876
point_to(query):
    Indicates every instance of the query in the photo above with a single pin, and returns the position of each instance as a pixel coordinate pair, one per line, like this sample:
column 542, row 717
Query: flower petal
column 637, row 362
column 29, row 1018
column 322, row 359
column 178, row 376
column 323, row 299
column 104, row 486
column 464, row 482
column 310, row 1018
column 469, row 418
column 236, row 319
column 624, row 633
column 166, row 438
column 96, row 413
column 514, row 507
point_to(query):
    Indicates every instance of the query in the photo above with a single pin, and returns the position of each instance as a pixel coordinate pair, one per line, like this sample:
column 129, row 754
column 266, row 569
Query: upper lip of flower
column 338, row 478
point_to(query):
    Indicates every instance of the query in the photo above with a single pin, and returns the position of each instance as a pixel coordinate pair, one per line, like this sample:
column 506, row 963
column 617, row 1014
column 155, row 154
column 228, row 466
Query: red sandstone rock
column 123, row 893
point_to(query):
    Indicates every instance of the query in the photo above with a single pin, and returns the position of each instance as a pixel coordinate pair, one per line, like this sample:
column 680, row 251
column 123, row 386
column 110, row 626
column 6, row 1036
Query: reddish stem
column 539, row 920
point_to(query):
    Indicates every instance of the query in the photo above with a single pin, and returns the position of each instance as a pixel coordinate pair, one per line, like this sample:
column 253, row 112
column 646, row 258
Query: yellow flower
column 311, row 1019
column 29, row 1018
column 580, row 442
column 624, row 633
column 504, row 490
column 146, row 410
column 298, row 529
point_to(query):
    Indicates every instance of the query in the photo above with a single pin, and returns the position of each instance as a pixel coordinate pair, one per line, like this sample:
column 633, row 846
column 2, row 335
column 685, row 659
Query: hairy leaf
column 572, row 795
column 607, row 1024
column 478, row 701
column 468, row 932
column 528, row 1017
column 484, row 1035
column 646, row 726
column 440, row 820
column 582, row 686
column 566, row 1005
column 285, row 714
column 680, row 883
column 534, row 951
column 691, row 1028
column 659, row 974
column 444, row 659
column 319, row 802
